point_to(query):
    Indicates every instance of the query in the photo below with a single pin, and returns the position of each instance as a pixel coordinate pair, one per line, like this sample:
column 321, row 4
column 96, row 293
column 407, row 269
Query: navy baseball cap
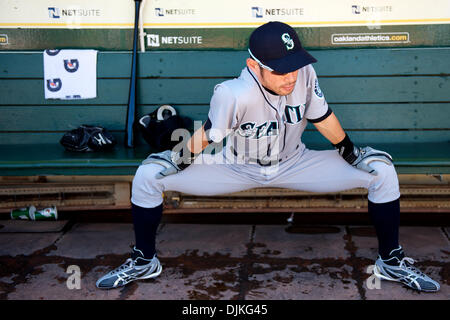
column 276, row 45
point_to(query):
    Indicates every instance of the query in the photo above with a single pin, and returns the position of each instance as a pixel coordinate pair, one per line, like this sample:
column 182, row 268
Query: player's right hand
column 167, row 159
column 365, row 156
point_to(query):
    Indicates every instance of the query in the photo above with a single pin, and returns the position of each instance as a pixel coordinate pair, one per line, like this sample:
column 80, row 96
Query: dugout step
column 66, row 196
column 415, row 198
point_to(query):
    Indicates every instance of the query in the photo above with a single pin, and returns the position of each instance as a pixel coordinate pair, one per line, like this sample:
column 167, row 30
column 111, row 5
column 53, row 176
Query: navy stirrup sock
column 386, row 220
column 146, row 221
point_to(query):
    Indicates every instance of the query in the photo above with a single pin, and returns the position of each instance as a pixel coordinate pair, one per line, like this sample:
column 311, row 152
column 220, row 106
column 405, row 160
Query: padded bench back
column 380, row 95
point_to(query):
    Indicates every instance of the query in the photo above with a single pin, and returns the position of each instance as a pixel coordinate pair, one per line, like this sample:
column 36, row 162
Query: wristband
column 347, row 149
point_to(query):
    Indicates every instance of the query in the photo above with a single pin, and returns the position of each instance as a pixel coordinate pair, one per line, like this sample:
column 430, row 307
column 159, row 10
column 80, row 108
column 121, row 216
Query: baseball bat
column 131, row 108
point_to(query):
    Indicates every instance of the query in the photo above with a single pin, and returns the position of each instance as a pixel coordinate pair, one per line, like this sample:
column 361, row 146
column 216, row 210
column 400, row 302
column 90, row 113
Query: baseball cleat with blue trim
column 134, row 268
column 400, row 269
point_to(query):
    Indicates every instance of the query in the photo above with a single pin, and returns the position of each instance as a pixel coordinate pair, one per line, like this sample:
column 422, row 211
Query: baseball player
column 262, row 115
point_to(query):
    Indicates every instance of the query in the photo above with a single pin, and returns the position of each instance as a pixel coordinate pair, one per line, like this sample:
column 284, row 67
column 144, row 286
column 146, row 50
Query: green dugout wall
column 387, row 80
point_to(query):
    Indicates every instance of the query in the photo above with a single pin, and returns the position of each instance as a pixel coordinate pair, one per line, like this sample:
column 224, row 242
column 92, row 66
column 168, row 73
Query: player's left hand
column 366, row 155
column 168, row 159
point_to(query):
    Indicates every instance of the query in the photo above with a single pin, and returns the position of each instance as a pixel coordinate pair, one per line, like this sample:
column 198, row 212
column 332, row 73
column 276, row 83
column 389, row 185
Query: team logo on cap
column 288, row 42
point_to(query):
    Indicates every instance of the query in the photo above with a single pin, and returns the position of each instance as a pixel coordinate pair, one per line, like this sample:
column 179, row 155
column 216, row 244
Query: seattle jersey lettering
column 254, row 131
column 294, row 114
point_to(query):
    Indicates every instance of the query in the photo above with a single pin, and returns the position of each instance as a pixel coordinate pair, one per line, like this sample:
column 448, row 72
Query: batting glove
column 168, row 159
column 365, row 156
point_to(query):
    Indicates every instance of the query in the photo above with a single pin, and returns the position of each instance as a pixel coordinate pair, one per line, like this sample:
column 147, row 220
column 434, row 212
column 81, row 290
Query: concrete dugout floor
column 39, row 261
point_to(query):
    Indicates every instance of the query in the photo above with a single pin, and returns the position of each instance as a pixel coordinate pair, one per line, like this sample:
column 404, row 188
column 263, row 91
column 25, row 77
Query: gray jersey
column 246, row 112
column 262, row 127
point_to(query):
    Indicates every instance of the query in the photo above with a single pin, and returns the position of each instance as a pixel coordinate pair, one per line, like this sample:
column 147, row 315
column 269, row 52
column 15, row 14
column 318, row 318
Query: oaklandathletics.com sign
column 368, row 38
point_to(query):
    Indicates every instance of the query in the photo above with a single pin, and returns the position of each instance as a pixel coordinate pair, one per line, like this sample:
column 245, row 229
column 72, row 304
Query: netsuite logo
column 53, row 13
column 356, row 9
column 154, row 40
column 161, row 12
column 259, row 12
column 57, row 13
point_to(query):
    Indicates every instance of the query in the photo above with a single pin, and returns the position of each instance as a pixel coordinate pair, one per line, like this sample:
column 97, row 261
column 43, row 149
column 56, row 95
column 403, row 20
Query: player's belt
column 258, row 161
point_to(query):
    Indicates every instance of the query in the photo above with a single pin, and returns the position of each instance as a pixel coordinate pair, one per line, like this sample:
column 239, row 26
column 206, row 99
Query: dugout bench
column 397, row 100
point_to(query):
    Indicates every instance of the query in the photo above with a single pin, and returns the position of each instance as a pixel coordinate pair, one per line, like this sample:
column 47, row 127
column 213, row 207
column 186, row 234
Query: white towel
column 70, row 74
